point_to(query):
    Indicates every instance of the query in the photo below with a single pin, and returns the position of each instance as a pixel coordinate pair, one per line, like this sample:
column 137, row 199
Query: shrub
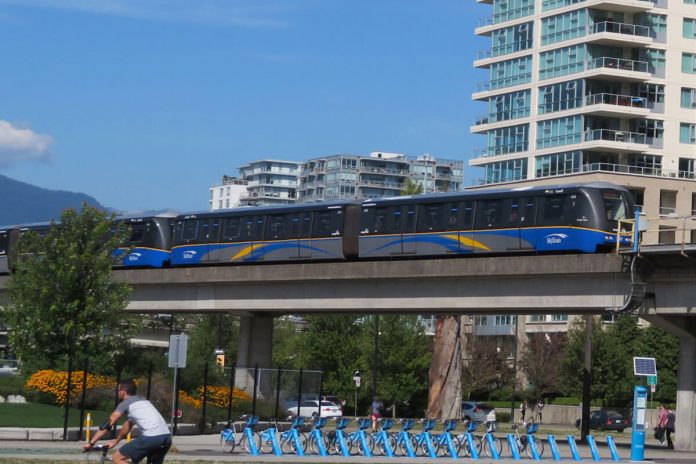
column 11, row 385
column 503, row 416
column 566, row 401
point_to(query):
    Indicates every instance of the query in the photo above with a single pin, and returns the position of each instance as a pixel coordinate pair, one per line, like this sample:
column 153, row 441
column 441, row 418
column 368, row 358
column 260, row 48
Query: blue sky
column 145, row 104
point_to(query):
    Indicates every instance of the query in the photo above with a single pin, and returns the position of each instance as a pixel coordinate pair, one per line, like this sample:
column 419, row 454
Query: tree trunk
column 445, row 394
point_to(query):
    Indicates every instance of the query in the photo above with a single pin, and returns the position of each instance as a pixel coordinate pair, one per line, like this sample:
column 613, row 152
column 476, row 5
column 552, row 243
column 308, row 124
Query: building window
column 537, row 318
column 558, row 164
column 562, row 131
column 505, row 320
column 505, row 140
column 689, row 28
column 559, row 97
column 506, row 171
column 689, row 63
column 563, row 27
column 561, row 61
column 559, row 317
column 687, row 133
column 688, row 98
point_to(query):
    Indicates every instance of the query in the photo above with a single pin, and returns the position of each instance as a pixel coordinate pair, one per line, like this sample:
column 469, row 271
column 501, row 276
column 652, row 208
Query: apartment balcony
column 612, row 105
column 484, row 58
column 488, row 24
column 635, row 170
column 384, row 171
column 615, row 34
column 617, row 69
column 379, row 183
column 625, row 6
column 616, row 141
column 487, row 89
column 487, row 2
column 490, row 330
column 490, row 121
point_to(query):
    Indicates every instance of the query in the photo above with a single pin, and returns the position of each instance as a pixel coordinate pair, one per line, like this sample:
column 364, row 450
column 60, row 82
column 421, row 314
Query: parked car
column 310, row 408
column 475, row 411
column 606, row 420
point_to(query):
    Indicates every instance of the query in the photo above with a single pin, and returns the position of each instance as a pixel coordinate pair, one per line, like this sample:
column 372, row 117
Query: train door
column 466, row 226
column 408, row 228
column 213, row 240
column 301, row 229
column 528, row 209
column 254, row 230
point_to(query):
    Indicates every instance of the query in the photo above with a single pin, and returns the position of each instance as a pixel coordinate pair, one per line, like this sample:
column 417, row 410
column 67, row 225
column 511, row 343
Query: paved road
column 206, row 448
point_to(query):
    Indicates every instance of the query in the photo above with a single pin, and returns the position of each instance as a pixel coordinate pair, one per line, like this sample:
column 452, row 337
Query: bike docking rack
column 403, row 438
column 363, row 424
column 341, row 424
column 470, row 440
column 295, row 435
column 249, row 433
column 531, row 430
column 450, row 425
column 425, row 438
column 382, row 437
column 272, row 433
column 316, row 435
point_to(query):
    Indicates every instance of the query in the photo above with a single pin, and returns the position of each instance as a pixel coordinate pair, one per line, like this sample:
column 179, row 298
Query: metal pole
column 84, row 394
column 586, row 379
column 67, row 399
column 277, row 402
column 375, row 357
column 299, row 392
column 174, row 393
column 229, row 402
column 176, row 400
column 205, row 396
column 514, row 372
column 256, row 385
column 149, row 380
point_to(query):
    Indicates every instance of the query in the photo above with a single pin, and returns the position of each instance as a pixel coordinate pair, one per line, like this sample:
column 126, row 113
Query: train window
column 430, row 218
column 380, row 220
column 278, row 227
column 138, row 233
column 4, row 241
column 232, row 229
column 515, row 214
column 489, row 216
column 467, row 215
column 554, row 209
column 396, row 220
column 189, row 230
column 306, row 228
column 410, row 218
column 322, row 224
column 614, row 206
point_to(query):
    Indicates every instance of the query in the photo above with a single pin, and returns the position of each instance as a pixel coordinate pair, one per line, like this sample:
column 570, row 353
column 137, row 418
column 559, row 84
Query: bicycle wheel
column 392, row 444
column 370, row 441
column 303, row 442
column 285, row 440
column 521, row 445
column 442, row 448
column 465, row 449
column 539, row 447
column 257, row 442
column 496, row 443
column 401, row 445
column 228, row 440
column 266, row 442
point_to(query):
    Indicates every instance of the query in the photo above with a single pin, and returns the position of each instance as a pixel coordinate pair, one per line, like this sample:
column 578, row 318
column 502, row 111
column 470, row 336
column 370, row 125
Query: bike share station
column 642, row 367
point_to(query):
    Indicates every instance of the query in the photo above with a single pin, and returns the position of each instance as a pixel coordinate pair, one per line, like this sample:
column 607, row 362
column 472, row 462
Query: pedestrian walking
column 540, row 409
column 523, row 410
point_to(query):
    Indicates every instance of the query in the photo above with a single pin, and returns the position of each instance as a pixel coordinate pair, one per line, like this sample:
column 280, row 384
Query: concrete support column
column 255, row 341
column 685, row 436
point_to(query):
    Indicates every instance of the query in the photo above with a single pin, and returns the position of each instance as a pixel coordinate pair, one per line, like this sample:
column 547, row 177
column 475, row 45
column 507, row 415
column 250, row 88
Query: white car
column 310, row 408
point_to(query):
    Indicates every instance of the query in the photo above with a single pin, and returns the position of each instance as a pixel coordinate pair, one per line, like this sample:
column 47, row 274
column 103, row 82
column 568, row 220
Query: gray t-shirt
column 143, row 414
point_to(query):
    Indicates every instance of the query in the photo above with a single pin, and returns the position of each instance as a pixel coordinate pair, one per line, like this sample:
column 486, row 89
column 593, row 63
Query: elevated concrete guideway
column 519, row 285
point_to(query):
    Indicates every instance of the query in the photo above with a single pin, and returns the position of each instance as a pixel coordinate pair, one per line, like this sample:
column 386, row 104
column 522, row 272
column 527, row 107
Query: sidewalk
column 207, row 448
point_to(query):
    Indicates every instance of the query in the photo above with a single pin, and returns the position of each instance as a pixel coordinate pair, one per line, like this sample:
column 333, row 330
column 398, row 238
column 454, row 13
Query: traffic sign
column 177, row 350
column 652, row 380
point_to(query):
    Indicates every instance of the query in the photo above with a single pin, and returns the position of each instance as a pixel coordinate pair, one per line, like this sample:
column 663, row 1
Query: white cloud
column 21, row 144
column 238, row 13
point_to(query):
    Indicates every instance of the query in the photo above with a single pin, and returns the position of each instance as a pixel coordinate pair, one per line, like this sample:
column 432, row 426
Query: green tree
column 403, row 361
column 63, row 299
column 412, row 187
column 210, row 332
column 664, row 347
column 540, row 361
column 486, row 369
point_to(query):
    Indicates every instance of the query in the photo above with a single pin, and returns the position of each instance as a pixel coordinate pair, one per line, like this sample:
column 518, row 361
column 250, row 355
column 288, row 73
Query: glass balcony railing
column 614, row 99
column 614, row 136
column 620, row 28
column 509, row 15
column 617, row 63
column 504, row 49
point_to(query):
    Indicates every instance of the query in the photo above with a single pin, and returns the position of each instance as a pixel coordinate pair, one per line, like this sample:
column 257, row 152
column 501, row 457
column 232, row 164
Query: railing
column 521, row 112
column 559, row 105
column 614, row 99
column 504, row 49
column 394, row 172
column 508, row 81
column 515, row 147
column 614, row 136
column 666, row 229
column 620, row 28
column 617, row 63
column 506, row 15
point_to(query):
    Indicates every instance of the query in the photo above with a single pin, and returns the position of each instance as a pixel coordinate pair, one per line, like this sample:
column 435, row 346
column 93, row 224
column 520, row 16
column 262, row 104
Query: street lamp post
column 375, row 357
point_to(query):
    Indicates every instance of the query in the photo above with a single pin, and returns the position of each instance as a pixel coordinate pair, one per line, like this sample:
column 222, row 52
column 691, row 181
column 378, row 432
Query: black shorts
column 154, row 448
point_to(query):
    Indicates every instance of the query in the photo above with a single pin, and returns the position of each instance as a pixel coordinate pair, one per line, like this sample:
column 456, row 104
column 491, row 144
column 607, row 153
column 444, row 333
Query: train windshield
column 614, row 207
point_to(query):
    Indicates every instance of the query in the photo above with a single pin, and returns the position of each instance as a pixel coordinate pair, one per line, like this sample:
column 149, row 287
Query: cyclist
column 154, row 440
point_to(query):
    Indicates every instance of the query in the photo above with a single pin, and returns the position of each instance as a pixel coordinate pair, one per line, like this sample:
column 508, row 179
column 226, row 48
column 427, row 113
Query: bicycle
column 384, row 437
column 355, row 440
column 103, row 449
column 287, row 438
column 442, row 440
column 422, row 442
column 229, row 439
column 483, row 443
column 404, row 440
column 317, row 436
column 523, row 440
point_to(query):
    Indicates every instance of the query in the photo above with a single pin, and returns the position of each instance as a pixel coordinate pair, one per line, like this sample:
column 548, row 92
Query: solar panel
column 644, row 366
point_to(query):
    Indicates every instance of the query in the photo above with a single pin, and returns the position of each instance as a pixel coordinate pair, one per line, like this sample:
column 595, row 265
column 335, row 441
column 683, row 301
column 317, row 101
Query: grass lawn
column 43, row 415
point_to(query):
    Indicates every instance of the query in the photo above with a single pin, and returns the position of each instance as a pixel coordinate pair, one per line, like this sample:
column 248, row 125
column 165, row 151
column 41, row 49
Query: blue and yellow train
column 579, row 218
